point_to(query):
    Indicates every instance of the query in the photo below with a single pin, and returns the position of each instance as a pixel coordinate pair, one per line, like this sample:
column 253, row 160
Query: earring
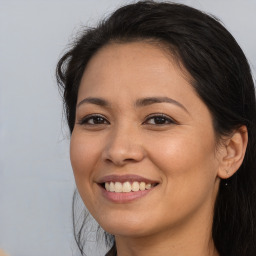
column 226, row 183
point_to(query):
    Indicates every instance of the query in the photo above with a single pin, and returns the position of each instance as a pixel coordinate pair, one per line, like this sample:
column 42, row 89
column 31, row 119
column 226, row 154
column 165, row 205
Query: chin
column 125, row 231
column 125, row 227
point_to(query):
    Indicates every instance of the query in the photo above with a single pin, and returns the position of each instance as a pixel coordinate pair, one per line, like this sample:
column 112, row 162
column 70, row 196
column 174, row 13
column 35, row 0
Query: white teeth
column 135, row 186
column 118, row 187
column 107, row 186
column 148, row 186
column 112, row 187
column 142, row 186
column 126, row 187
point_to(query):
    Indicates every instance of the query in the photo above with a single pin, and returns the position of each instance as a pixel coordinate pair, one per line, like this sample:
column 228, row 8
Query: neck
column 191, row 239
column 144, row 248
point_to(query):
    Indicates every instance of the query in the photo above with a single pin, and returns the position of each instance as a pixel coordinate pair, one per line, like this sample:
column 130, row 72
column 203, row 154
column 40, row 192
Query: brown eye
column 159, row 119
column 93, row 120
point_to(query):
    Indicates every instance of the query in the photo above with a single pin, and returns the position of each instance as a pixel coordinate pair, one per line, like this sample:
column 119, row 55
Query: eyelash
column 167, row 120
column 161, row 117
column 85, row 120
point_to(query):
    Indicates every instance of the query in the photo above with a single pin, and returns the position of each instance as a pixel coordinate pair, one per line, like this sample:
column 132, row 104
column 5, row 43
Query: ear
column 233, row 152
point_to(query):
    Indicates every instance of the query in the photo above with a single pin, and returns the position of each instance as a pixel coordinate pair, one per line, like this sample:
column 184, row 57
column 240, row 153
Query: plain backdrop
column 36, row 180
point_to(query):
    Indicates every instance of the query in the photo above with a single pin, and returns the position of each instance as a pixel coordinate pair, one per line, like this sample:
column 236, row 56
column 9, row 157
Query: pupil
column 159, row 120
column 98, row 120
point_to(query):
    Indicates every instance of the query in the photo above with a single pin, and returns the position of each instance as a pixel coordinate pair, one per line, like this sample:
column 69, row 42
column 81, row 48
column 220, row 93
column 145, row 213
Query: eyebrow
column 139, row 103
column 153, row 100
column 97, row 101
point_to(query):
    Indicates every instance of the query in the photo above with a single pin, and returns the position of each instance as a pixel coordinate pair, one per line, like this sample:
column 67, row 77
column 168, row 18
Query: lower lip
column 124, row 197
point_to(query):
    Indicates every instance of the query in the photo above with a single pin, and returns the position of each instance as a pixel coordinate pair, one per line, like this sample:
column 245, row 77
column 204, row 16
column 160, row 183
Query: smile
column 127, row 186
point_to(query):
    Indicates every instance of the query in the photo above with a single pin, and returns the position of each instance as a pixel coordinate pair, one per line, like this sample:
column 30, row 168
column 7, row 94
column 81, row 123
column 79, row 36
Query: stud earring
column 226, row 183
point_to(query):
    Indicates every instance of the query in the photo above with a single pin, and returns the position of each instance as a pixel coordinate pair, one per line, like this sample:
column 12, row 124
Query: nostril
column 121, row 152
column 120, row 162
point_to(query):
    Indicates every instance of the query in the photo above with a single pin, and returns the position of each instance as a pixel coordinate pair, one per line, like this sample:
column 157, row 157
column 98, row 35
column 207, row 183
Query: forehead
column 135, row 65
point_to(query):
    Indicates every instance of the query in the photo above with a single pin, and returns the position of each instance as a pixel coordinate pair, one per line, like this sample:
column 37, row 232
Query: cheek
column 180, row 151
column 85, row 153
column 84, row 156
column 188, row 168
column 187, row 162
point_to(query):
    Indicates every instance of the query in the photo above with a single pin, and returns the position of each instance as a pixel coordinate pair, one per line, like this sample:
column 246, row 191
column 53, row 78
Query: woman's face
column 142, row 131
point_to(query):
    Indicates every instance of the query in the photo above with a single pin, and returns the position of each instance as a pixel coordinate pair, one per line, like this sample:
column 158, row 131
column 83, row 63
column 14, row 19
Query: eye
column 93, row 120
column 159, row 119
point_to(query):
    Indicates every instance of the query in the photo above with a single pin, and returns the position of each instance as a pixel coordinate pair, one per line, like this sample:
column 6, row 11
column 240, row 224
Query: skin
column 175, row 218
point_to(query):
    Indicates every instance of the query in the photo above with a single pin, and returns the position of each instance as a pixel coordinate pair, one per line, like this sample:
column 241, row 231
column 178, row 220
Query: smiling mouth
column 127, row 186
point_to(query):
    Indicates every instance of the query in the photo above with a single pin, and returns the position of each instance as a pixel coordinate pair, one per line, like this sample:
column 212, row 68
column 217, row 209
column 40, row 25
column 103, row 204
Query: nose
column 123, row 146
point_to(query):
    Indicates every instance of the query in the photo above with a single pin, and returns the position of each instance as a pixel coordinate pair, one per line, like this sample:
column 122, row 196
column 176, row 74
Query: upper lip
column 123, row 178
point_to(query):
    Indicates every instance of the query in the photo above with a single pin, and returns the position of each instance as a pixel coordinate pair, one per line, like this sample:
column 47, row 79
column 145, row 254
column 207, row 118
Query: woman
column 160, row 103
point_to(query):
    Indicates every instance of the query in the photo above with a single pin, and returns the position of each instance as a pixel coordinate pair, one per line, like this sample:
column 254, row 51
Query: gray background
column 36, row 182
